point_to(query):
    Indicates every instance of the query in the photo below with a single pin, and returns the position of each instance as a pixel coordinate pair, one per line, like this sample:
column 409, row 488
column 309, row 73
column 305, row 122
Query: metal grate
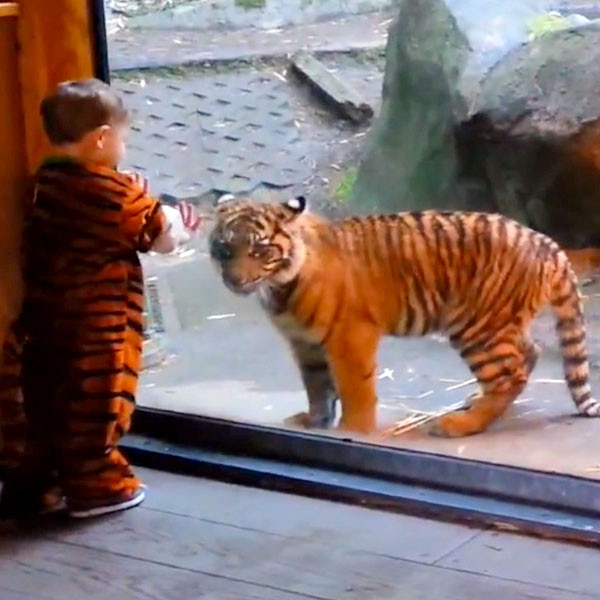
column 153, row 316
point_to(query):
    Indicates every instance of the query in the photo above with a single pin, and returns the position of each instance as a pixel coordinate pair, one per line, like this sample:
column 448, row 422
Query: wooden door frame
column 99, row 39
column 58, row 40
column 55, row 41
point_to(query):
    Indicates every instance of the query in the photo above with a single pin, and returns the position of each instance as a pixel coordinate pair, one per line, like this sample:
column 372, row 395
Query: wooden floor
column 197, row 539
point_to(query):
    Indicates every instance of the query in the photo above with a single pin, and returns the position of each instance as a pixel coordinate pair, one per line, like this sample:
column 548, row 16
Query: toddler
column 71, row 363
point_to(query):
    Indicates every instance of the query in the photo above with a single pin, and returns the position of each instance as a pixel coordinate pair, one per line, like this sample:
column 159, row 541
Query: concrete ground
column 195, row 539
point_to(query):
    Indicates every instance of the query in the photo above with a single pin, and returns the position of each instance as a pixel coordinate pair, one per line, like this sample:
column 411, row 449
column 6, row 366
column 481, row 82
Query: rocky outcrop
column 477, row 117
column 534, row 135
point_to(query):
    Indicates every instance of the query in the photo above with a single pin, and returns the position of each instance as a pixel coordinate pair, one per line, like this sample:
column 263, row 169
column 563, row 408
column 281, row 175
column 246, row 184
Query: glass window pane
column 477, row 106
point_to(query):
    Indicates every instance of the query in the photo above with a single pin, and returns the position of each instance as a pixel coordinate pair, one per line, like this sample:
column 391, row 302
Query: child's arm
column 152, row 226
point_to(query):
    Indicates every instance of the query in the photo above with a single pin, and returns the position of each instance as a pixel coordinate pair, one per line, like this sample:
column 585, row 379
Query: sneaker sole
column 111, row 508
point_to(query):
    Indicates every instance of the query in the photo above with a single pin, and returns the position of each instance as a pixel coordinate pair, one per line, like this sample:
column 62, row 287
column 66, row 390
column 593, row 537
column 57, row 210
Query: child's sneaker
column 53, row 502
column 17, row 501
column 102, row 507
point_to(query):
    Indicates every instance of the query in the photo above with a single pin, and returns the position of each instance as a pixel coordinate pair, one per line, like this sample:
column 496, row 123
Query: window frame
column 432, row 485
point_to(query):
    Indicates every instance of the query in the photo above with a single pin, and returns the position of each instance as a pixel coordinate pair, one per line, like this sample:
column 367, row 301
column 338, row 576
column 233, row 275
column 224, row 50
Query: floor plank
column 528, row 559
column 297, row 517
column 319, row 567
column 45, row 570
column 8, row 594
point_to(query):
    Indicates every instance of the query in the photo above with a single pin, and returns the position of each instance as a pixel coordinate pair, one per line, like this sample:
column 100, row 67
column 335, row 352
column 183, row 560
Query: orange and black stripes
column 337, row 287
column 82, row 321
column 566, row 304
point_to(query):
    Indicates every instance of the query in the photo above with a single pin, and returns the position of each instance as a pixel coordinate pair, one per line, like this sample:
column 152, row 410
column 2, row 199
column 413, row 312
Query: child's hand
column 191, row 221
column 138, row 180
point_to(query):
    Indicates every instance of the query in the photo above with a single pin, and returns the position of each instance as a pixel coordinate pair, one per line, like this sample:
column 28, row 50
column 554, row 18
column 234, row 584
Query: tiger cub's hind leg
column 532, row 353
column 502, row 365
column 319, row 386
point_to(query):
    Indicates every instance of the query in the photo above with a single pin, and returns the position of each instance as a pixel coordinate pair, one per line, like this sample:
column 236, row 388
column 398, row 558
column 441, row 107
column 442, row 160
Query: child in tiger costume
column 334, row 288
column 71, row 363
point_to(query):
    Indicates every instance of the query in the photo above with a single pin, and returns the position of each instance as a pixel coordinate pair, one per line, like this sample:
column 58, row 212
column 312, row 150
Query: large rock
column 533, row 137
column 476, row 116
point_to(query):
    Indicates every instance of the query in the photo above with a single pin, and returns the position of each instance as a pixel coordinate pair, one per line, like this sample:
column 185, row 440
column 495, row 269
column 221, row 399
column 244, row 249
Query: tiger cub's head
column 255, row 242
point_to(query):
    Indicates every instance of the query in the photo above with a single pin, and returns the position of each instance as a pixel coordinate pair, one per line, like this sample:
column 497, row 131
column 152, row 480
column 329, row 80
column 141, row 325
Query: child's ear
column 100, row 134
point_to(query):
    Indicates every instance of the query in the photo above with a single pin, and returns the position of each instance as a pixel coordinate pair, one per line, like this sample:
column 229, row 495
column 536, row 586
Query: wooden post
column 56, row 44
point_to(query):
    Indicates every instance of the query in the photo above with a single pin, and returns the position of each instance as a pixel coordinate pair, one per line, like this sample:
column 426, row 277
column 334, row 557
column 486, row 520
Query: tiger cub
column 334, row 288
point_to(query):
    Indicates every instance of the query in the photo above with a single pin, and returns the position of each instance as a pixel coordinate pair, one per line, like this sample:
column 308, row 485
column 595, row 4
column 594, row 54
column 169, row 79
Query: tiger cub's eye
column 264, row 251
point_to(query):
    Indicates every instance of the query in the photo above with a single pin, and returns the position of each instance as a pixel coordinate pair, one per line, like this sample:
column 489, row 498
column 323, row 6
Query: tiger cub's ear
column 294, row 206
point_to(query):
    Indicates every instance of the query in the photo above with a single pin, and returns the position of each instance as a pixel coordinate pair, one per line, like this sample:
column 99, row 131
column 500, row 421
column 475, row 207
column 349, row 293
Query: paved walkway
column 151, row 48
column 206, row 131
column 196, row 539
column 228, row 133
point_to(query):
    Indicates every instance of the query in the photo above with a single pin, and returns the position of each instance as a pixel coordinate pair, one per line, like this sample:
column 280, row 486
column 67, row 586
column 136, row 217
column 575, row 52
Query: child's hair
column 78, row 107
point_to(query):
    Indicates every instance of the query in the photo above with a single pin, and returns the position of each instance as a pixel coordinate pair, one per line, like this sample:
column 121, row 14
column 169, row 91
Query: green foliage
column 346, row 184
column 249, row 4
column 545, row 24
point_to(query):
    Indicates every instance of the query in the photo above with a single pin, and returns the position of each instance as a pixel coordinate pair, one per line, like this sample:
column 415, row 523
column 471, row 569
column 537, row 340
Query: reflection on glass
column 485, row 106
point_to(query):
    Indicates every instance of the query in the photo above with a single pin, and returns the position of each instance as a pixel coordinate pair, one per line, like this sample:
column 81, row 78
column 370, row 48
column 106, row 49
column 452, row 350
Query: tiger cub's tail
column 566, row 303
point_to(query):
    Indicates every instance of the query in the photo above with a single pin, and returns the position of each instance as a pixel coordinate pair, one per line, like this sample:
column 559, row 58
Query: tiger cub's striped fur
column 334, row 288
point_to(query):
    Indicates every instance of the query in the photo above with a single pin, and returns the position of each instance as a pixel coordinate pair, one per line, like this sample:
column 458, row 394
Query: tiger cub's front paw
column 307, row 421
column 301, row 419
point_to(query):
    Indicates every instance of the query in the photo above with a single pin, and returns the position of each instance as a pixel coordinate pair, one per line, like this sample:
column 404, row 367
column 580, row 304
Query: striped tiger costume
column 71, row 363
column 334, row 288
